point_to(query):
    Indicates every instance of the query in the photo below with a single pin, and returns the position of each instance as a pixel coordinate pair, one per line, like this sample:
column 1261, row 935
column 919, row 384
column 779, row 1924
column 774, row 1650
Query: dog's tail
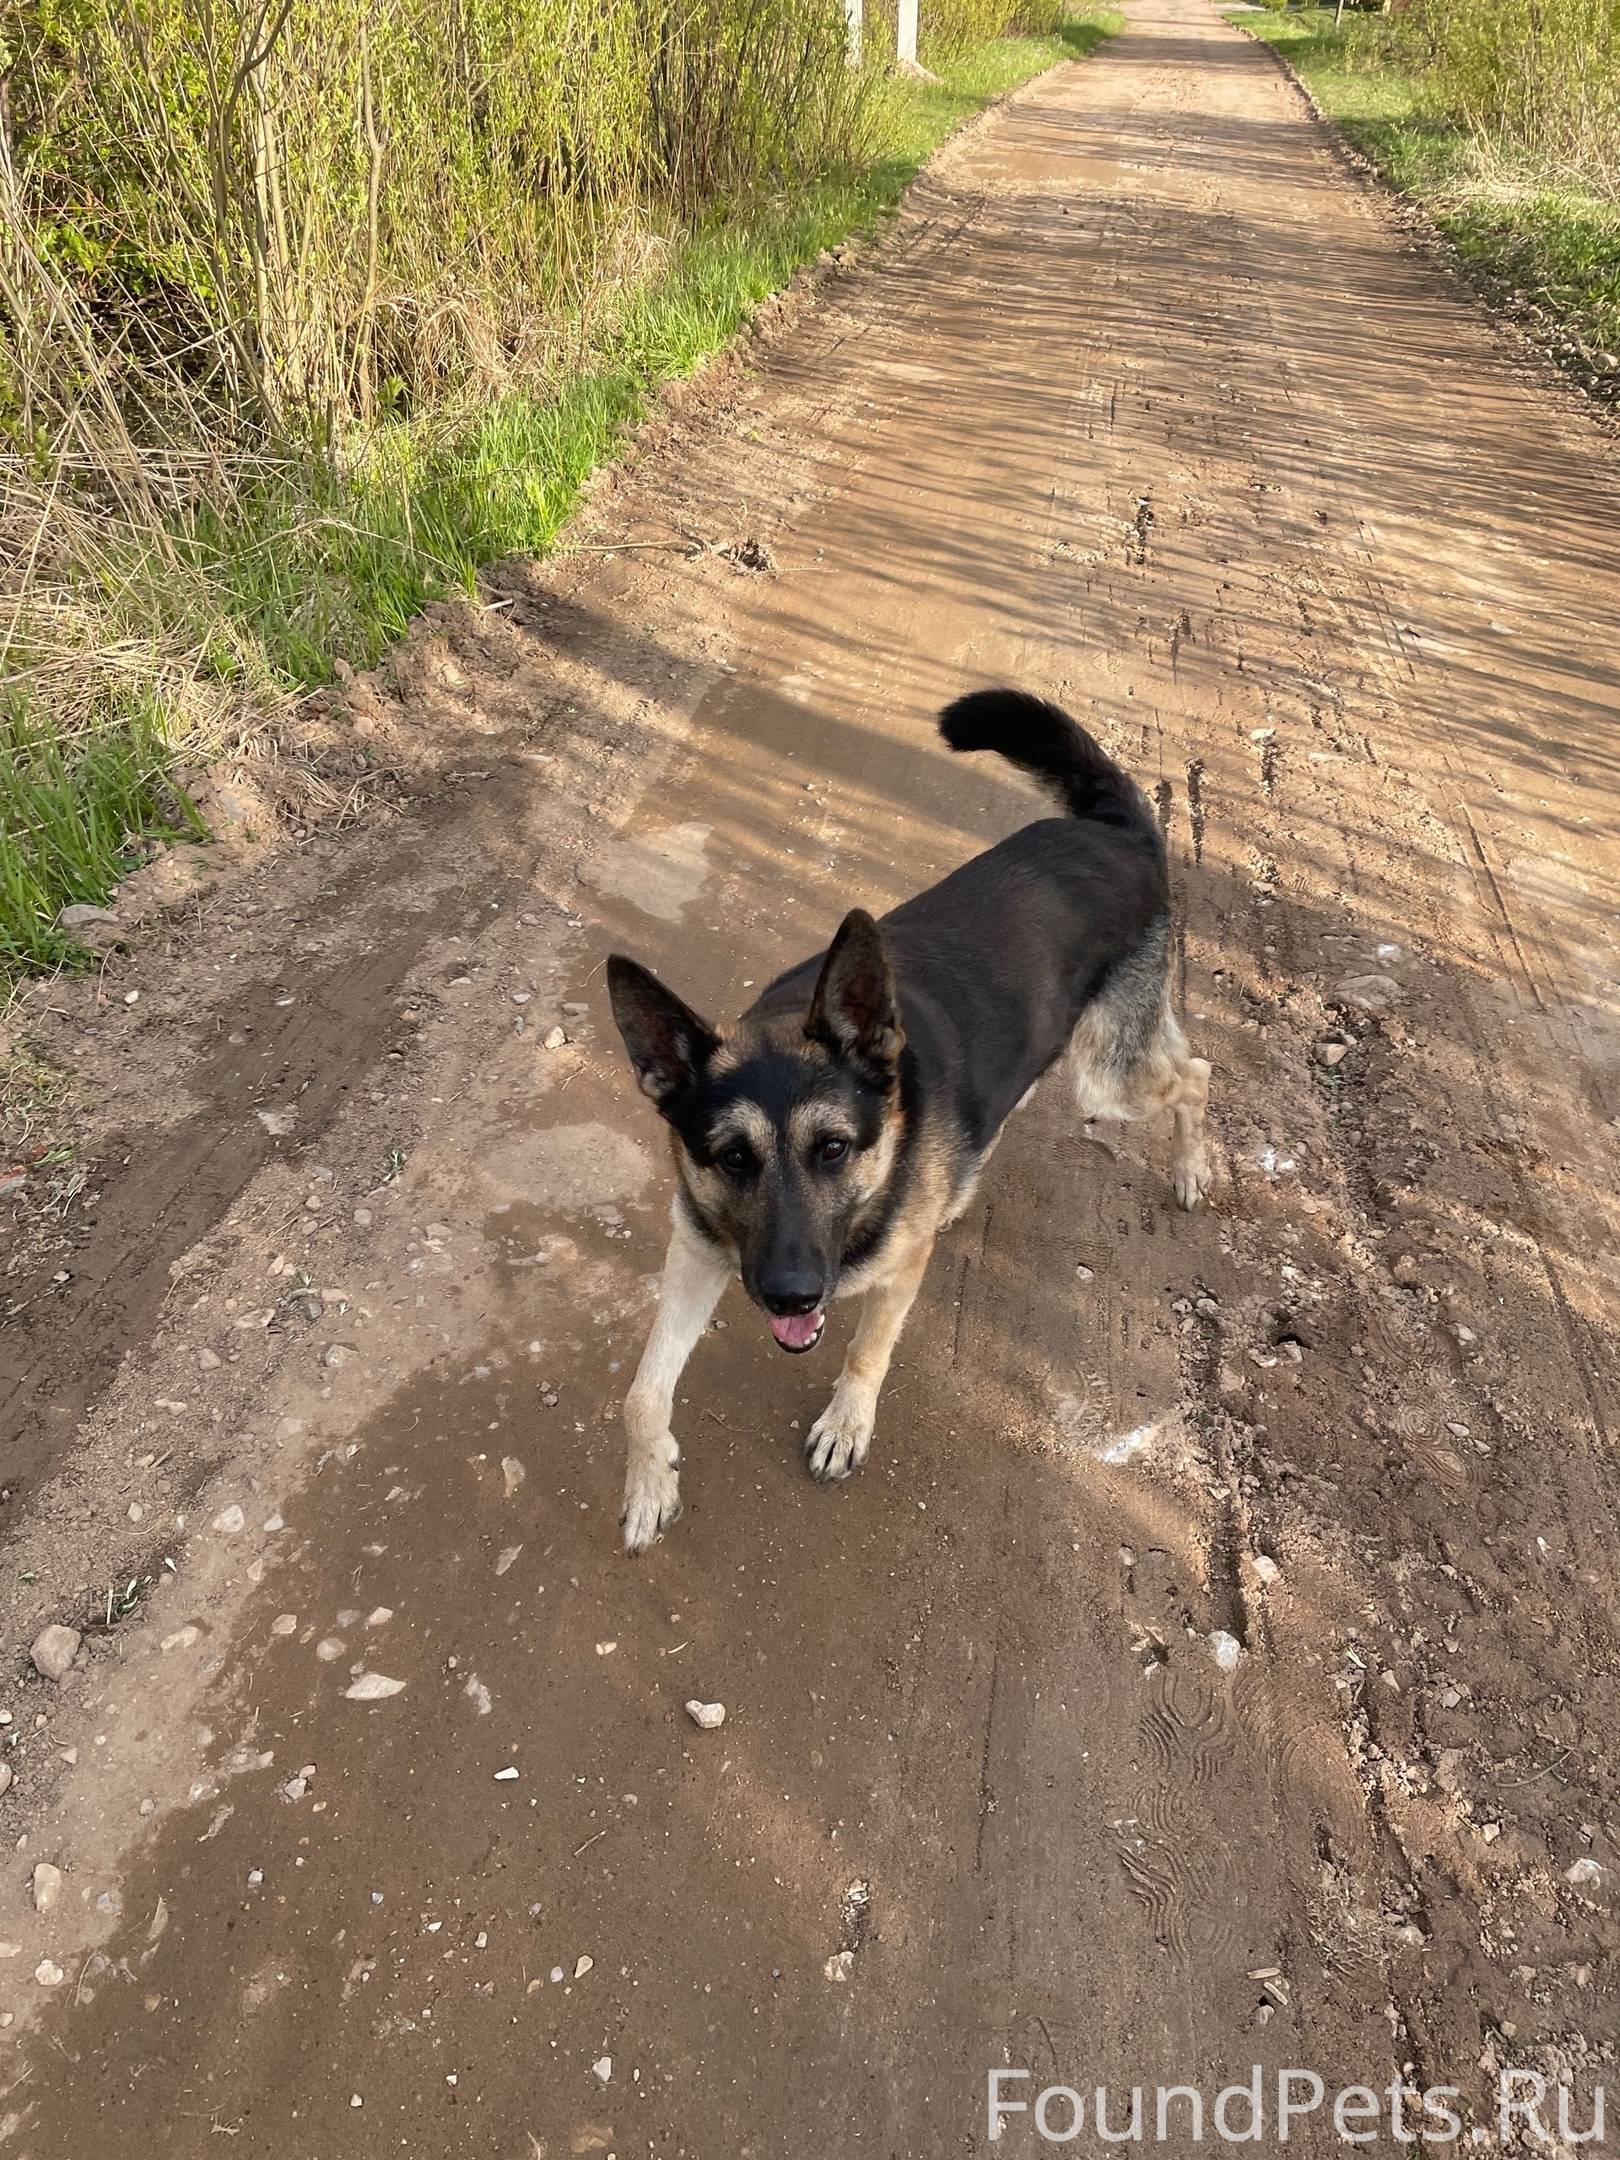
column 1041, row 740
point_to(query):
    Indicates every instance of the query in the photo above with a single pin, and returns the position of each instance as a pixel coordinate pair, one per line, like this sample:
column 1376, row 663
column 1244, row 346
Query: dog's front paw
column 652, row 1501
column 840, row 1437
column 1191, row 1178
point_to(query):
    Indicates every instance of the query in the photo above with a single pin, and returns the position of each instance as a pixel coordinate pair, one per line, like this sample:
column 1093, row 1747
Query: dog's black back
column 995, row 964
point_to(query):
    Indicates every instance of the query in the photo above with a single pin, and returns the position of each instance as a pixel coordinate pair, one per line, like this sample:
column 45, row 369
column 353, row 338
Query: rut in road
column 1216, row 1662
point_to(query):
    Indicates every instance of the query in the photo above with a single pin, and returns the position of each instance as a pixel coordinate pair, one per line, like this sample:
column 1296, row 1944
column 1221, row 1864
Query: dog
column 823, row 1142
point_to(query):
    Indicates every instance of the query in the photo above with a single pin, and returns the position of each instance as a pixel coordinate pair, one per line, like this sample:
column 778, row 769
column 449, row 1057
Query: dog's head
column 785, row 1128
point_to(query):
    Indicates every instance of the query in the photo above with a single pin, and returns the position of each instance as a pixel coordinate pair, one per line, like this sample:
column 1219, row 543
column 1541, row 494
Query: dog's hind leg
column 1129, row 1059
column 695, row 1274
column 840, row 1437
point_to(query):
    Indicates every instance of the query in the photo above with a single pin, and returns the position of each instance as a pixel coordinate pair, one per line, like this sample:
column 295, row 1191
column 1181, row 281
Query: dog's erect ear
column 854, row 1011
column 668, row 1044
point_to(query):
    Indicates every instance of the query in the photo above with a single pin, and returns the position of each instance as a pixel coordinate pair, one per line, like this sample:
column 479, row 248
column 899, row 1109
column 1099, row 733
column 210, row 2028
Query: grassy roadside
column 313, row 564
column 1547, row 245
column 425, row 512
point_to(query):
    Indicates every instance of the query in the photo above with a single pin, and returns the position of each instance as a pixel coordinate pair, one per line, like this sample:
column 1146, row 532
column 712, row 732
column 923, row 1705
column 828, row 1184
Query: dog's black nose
column 791, row 1291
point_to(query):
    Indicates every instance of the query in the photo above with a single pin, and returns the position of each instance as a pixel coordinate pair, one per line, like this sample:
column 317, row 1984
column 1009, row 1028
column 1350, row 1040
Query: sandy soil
column 1217, row 1662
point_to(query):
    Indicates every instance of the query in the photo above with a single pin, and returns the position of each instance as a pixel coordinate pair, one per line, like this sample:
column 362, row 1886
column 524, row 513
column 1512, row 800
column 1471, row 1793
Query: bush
column 1540, row 78
column 951, row 26
column 333, row 207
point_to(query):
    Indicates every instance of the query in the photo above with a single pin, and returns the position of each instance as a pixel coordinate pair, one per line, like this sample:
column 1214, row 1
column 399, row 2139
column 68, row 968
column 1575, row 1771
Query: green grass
column 73, row 820
column 1554, row 246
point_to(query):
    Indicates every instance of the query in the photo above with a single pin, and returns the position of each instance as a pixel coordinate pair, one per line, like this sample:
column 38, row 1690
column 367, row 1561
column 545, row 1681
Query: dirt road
column 1217, row 1662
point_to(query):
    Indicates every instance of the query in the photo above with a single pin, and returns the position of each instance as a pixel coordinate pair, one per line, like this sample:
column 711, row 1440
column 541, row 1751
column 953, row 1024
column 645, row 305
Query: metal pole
column 906, row 32
column 852, row 21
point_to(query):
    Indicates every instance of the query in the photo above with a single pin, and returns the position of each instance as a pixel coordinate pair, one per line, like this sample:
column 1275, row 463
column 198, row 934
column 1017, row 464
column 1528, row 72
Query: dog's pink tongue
column 795, row 1331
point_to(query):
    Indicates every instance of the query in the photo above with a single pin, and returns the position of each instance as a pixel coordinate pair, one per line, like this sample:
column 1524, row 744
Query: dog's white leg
column 695, row 1273
column 842, row 1434
column 1190, row 1175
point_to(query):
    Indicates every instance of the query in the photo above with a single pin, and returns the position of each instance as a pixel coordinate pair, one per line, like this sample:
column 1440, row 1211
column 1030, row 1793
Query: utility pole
column 906, row 32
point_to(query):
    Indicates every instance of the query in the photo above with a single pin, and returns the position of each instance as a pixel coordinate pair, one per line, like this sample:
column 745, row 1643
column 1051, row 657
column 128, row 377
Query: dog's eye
column 736, row 1160
column 832, row 1150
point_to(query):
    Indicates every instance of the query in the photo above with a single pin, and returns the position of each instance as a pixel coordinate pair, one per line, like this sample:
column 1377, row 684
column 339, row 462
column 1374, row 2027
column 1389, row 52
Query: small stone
column 1227, row 1649
column 134, row 1511
column 575, row 1009
column 379, row 1616
column 1584, row 1874
column 330, row 1648
column 1368, row 993
column 284, row 1624
column 602, row 2068
column 54, row 1650
column 208, row 1360
column 506, row 1559
column 182, row 1638
column 582, row 1966
column 553, row 1039
column 230, row 1520
column 709, row 1716
column 373, row 1687
column 1490, row 1832
column 1331, row 1053
column 49, row 1974
column 362, row 1218
column 513, row 1473
column 336, row 1355
column 839, row 1966
column 1267, row 1569
column 5, row 1777
column 506, row 1776
column 80, row 916
column 1449, row 1766
column 47, row 1886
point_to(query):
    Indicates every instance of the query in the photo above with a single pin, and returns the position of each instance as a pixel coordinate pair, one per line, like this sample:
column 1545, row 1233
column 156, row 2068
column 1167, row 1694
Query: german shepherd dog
column 823, row 1142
